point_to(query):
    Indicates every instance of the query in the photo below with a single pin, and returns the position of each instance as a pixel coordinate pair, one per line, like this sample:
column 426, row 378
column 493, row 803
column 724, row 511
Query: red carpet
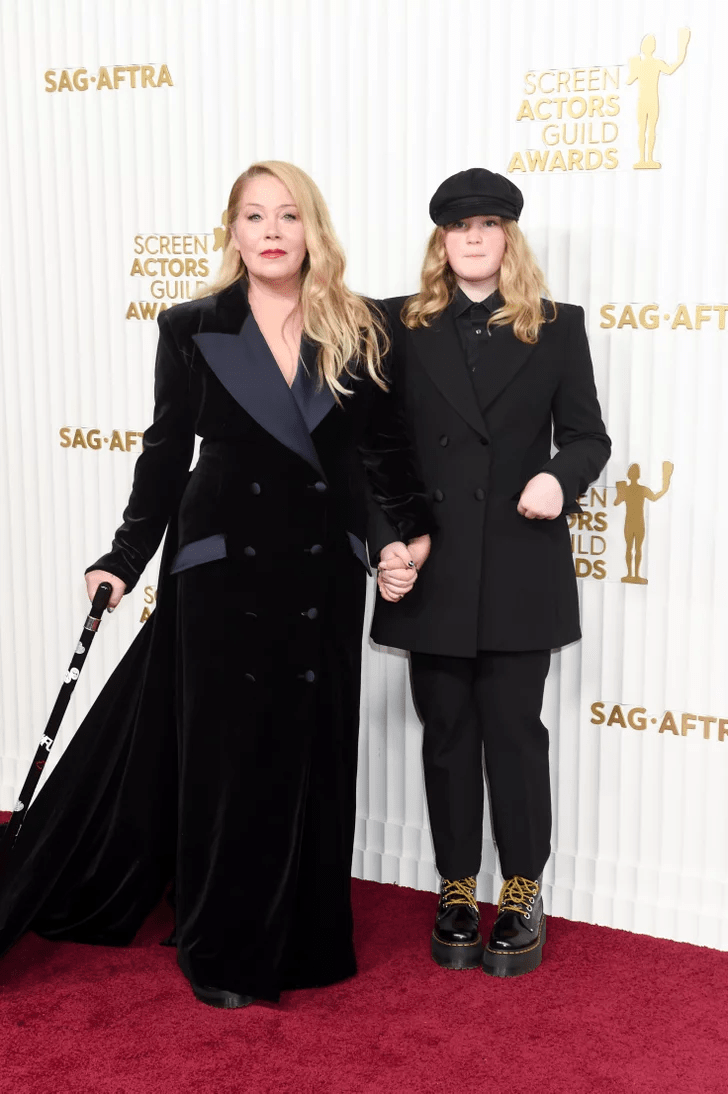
column 608, row 1012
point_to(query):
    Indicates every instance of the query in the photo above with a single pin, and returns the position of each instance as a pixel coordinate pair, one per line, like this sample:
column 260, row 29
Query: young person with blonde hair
column 223, row 750
column 491, row 372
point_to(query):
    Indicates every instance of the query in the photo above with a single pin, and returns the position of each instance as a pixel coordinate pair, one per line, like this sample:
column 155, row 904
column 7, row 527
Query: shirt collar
column 462, row 303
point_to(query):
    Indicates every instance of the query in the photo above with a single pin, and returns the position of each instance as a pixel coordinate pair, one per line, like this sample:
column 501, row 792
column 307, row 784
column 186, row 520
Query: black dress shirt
column 471, row 321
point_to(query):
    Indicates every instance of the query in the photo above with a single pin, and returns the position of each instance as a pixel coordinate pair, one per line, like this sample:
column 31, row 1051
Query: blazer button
column 444, row 441
column 249, row 551
column 316, row 549
column 321, row 487
column 480, row 494
column 255, row 488
column 483, row 440
column 249, row 678
column 308, row 676
column 312, row 613
column 438, row 495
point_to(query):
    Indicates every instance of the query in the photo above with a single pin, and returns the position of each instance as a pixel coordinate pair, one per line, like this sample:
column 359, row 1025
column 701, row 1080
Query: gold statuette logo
column 634, row 495
column 646, row 69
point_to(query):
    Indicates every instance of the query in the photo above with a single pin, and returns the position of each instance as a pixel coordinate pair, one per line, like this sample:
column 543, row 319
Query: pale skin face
column 268, row 233
column 475, row 247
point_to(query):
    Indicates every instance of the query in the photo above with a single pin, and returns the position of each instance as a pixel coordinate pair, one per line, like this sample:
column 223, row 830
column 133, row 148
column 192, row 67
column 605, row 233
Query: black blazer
column 495, row 580
column 264, row 456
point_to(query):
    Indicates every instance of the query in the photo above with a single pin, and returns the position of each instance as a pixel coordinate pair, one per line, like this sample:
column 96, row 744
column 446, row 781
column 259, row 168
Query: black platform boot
column 456, row 941
column 519, row 932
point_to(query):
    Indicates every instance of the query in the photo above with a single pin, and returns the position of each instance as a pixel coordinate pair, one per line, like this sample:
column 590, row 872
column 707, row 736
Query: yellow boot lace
column 459, row 892
column 517, row 894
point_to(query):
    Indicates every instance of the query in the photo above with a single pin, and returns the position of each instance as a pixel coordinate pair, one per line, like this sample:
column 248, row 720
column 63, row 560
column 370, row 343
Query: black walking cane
column 8, row 838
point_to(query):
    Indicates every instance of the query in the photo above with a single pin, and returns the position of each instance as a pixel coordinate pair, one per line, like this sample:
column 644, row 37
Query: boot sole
column 497, row 963
column 457, row 955
column 225, row 1000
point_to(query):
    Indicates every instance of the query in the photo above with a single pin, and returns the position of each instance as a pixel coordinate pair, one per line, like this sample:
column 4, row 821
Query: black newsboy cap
column 475, row 192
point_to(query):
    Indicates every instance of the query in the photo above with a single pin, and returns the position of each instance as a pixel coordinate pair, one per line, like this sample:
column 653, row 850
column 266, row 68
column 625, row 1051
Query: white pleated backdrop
column 380, row 100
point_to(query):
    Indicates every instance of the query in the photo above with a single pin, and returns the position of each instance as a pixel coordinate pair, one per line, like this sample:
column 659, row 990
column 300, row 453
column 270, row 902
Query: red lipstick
column 272, row 254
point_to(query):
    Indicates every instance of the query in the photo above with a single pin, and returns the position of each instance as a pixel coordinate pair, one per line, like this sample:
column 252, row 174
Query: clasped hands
column 399, row 566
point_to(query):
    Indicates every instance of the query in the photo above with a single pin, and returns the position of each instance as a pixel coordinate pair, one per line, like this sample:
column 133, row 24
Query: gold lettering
column 721, row 309
column 607, row 312
column 627, row 318
column 116, row 441
column 649, row 316
column 516, row 163
column 687, row 722
column 682, row 318
column 65, row 434
column 597, row 710
column 148, row 75
column 164, row 77
column 118, row 76
column 80, row 79
column 137, row 270
column 616, row 717
column 50, row 80
column 64, row 84
column 702, row 315
column 528, row 83
column 635, row 721
column 132, row 70
column 525, row 111
column 104, row 80
column 132, row 312
column 707, row 722
column 557, row 163
column 668, row 723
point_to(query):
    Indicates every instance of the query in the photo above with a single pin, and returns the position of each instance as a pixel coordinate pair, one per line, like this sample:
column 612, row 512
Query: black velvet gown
column 222, row 751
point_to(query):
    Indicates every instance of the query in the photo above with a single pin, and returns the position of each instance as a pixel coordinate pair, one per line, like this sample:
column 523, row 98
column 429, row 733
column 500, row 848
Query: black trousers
column 488, row 706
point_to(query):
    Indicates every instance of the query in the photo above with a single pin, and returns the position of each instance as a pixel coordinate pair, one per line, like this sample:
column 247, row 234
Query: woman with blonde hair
column 223, row 750
column 492, row 371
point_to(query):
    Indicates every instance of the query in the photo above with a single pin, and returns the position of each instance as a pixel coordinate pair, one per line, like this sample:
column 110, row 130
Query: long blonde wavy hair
column 348, row 331
column 521, row 284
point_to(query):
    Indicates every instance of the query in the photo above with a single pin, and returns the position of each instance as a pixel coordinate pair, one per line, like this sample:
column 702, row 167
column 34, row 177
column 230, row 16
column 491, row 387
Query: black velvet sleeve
column 161, row 470
column 579, row 432
column 398, row 505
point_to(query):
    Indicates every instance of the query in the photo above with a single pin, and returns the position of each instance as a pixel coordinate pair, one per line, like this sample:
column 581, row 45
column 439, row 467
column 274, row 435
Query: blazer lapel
column 314, row 402
column 245, row 366
column 504, row 357
column 439, row 350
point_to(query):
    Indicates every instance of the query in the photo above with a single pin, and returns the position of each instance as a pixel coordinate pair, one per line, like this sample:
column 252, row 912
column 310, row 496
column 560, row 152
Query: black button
column 249, row 551
column 249, row 677
column 321, row 487
column 251, row 615
column 309, row 676
column 438, row 495
column 255, row 488
column 312, row 613
column 480, row 494
column 444, row 441
column 483, row 440
column 316, row 549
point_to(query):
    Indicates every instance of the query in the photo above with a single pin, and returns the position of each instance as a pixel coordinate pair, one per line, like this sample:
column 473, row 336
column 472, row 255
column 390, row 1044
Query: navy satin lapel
column 245, row 366
column 317, row 401
column 439, row 350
